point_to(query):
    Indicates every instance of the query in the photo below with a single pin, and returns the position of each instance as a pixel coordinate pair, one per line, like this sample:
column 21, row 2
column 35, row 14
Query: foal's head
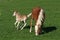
column 15, row 12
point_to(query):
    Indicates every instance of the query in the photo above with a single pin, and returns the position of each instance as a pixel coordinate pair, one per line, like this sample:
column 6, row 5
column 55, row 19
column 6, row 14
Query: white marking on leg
column 30, row 29
column 23, row 26
column 36, row 29
column 31, row 26
column 38, row 22
column 29, row 15
column 17, row 25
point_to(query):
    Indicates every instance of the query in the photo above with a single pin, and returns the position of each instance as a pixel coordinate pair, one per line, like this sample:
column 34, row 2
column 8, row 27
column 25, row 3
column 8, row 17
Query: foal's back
column 21, row 17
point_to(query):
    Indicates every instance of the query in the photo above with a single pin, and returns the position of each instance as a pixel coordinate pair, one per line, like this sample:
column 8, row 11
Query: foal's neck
column 17, row 15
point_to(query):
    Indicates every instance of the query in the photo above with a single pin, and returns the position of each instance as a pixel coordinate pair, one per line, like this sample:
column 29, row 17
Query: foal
column 20, row 18
column 39, row 16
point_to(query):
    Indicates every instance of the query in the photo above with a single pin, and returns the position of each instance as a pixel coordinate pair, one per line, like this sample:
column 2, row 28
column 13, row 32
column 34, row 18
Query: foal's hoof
column 30, row 31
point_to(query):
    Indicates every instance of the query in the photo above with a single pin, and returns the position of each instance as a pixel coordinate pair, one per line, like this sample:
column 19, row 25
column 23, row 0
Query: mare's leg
column 36, row 29
column 31, row 26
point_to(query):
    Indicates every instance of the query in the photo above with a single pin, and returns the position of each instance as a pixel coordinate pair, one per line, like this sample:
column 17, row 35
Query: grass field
column 51, row 25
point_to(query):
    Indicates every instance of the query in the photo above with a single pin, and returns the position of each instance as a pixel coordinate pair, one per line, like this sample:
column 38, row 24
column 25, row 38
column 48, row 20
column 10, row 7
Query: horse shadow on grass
column 49, row 29
column 46, row 29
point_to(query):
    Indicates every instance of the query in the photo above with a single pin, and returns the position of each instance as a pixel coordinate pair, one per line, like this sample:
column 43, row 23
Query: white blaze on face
column 40, row 18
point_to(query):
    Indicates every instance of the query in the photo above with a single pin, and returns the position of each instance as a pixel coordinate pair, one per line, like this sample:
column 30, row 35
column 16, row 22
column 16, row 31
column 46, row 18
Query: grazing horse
column 39, row 16
column 20, row 18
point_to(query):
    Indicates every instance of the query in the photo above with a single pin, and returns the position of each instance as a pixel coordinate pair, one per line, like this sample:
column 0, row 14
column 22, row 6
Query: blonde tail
column 29, row 15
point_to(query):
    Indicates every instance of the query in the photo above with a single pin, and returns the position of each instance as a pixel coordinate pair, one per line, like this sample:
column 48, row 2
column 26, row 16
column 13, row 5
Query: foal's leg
column 24, row 25
column 15, row 23
column 18, row 25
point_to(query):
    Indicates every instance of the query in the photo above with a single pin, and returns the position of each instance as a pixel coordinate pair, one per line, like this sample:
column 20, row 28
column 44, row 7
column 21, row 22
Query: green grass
column 51, row 24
